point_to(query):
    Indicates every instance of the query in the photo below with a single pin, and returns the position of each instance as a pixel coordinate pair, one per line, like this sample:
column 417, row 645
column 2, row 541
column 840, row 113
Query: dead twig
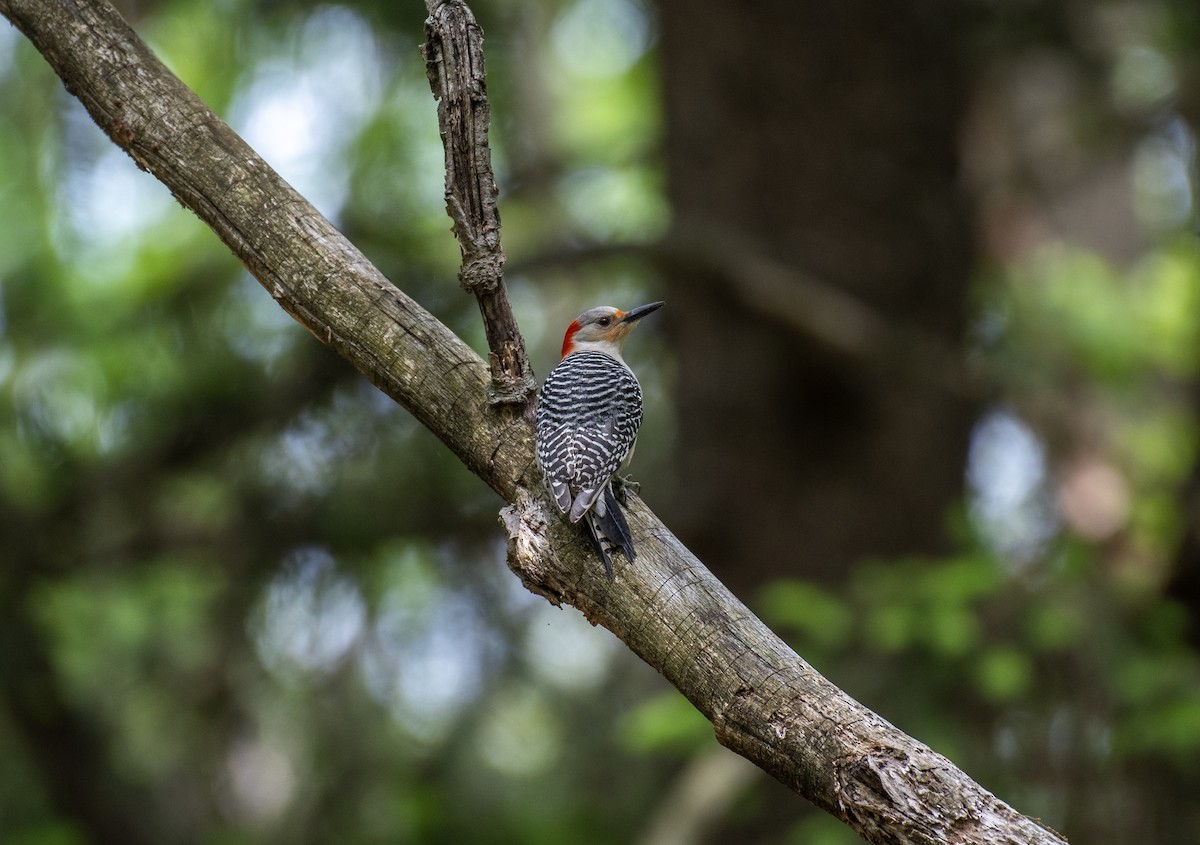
column 453, row 52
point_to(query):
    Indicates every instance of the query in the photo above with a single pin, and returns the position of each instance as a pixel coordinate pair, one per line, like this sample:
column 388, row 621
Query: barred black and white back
column 587, row 423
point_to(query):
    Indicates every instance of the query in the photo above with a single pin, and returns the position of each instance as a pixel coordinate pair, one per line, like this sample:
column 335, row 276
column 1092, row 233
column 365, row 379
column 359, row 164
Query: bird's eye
column 604, row 321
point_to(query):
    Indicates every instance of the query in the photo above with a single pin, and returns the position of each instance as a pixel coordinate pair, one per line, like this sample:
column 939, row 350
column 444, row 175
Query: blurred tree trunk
column 826, row 135
column 1183, row 585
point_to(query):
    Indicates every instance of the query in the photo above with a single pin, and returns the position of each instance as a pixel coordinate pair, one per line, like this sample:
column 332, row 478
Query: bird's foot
column 623, row 486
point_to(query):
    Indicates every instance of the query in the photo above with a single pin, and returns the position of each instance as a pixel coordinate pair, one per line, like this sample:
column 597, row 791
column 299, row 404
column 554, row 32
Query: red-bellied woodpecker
column 587, row 422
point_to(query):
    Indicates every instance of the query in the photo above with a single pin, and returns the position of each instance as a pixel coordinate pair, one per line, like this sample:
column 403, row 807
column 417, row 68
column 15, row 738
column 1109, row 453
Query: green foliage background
column 277, row 608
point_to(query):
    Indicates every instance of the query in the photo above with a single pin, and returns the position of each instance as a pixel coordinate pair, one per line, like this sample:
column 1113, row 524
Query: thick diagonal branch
column 306, row 264
column 763, row 700
column 453, row 52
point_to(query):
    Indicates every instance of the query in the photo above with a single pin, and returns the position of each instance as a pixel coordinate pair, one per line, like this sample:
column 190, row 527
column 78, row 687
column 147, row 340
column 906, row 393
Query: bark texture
column 297, row 255
column 453, row 52
column 764, row 701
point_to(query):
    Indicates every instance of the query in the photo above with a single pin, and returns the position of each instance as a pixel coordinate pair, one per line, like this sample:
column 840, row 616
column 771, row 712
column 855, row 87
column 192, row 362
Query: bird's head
column 603, row 328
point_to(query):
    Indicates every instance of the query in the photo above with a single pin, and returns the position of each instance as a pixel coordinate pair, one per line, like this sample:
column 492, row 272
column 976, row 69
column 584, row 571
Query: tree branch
column 453, row 52
column 765, row 702
column 306, row 265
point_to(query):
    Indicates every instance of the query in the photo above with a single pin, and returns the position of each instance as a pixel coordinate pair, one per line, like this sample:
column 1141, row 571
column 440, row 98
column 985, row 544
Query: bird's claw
column 623, row 486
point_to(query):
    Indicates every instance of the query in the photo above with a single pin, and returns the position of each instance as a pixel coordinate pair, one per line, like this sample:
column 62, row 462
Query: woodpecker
column 587, row 422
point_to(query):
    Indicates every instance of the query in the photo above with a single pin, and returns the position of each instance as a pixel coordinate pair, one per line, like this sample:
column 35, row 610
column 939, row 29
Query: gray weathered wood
column 309, row 267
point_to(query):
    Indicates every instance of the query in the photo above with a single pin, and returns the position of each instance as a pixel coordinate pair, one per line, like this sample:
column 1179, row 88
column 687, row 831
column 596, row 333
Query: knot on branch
column 511, row 388
column 482, row 274
column 888, row 788
column 530, row 552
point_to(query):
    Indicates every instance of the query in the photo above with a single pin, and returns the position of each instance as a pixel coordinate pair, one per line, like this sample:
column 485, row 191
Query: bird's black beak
column 632, row 316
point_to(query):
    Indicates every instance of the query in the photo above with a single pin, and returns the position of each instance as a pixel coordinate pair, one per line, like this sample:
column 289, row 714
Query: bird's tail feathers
column 609, row 530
